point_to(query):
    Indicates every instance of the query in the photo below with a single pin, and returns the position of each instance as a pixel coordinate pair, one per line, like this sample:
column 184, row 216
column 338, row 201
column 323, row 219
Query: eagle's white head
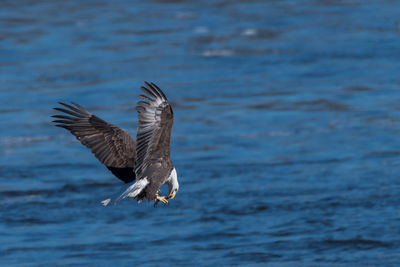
column 173, row 184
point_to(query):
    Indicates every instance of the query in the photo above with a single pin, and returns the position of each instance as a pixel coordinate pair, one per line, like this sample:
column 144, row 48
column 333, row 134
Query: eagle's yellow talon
column 160, row 198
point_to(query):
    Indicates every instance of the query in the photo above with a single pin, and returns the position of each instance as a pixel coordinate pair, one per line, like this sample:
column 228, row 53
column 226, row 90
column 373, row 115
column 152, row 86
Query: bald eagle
column 145, row 164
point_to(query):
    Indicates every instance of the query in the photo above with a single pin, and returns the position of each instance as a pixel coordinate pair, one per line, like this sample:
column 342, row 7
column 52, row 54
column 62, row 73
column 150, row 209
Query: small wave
column 219, row 53
column 236, row 52
column 23, row 140
column 264, row 134
column 201, row 29
column 355, row 243
column 382, row 154
column 259, row 257
column 29, row 221
column 4, row 111
column 358, row 89
column 307, row 106
column 249, row 32
column 186, row 15
column 212, row 236
column 146, row 32
column 198, row 149
column 259, row 33
column 322, row 105
column 21, row 198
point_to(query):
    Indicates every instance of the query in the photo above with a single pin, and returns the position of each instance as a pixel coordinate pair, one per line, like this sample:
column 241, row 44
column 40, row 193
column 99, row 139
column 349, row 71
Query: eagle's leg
column 160, row 198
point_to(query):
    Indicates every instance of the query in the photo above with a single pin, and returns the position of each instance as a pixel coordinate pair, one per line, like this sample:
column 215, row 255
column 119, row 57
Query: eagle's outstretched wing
column 154, row 129
column 111, row 145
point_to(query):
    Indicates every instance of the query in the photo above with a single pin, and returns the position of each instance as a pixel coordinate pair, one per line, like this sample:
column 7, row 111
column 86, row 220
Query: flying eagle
column 146, row 164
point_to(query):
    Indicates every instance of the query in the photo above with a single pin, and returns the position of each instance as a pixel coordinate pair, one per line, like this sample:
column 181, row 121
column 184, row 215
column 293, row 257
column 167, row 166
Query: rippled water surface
column 286, row 135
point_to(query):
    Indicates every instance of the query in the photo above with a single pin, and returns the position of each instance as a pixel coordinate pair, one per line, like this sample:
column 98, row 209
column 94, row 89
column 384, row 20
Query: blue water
column 286, row 135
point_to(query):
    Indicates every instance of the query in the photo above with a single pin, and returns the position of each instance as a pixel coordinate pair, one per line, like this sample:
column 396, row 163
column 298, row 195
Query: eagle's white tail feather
column 132, row 191
column 105, row 202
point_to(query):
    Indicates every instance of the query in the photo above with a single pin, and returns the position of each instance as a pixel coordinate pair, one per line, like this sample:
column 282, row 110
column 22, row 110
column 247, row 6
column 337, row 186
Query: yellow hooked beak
column 172, row 195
